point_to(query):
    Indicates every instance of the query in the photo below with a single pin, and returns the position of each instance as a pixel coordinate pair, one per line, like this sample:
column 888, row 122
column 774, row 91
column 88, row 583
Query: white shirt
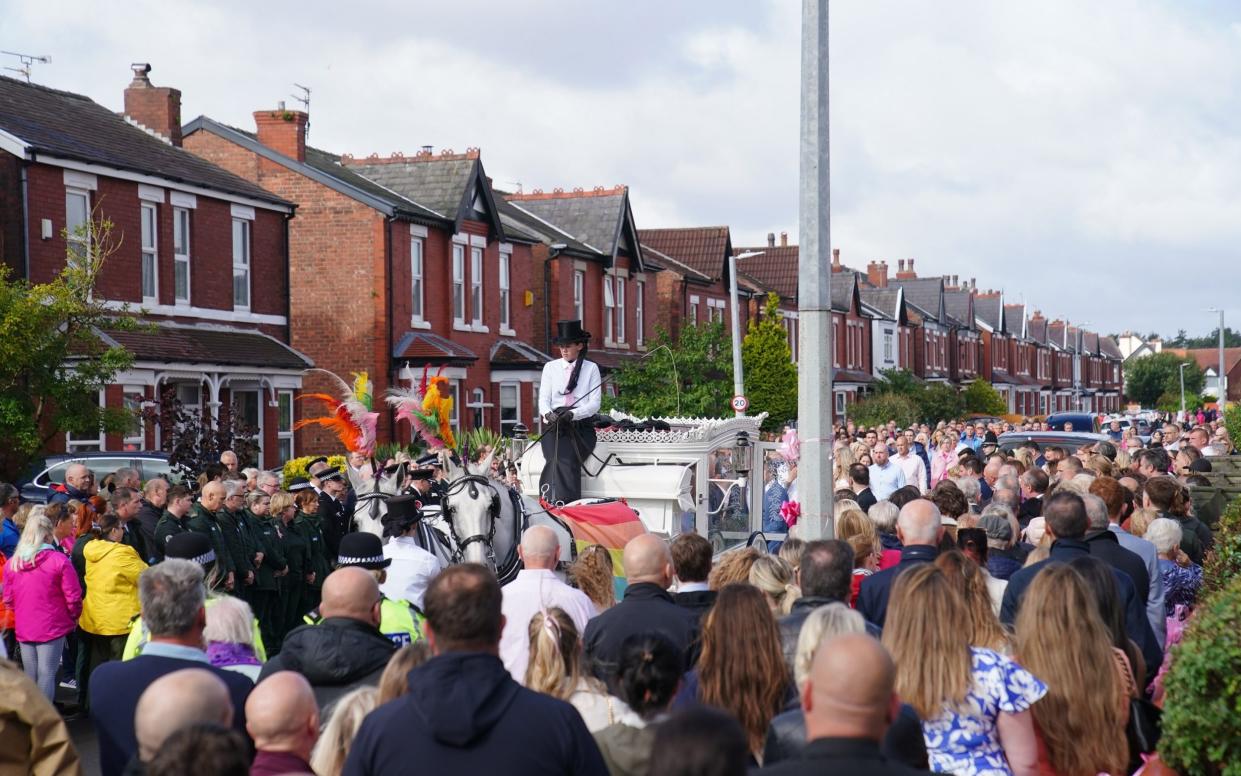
column 886, row 479
column 411, row 571
column 585, row 395
column 913, row 468
column 532, row 590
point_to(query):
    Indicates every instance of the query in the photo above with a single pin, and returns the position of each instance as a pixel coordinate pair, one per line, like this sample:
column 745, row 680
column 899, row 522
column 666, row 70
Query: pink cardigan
column 46, row 598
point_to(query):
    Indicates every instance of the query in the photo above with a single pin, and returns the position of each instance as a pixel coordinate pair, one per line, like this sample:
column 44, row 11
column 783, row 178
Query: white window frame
column 507, row 426
column 284, row 427
column 620, row 310
column 609, row 308
column 841, row 404
column 715, row 310
column 579, row 294
column 458, row 285
column 95, row 443
column 150, row 251
column 693, row 310
column 887, row 344
column 417, row 269
column 790, row 331
column 639, row 312
column 505, row 284
column 836, row 342
column 135, row 438
column 478, row 400
column 182, row 226
column 476, row 287
column 454, row 416
column 242, row 262
column 78, row 245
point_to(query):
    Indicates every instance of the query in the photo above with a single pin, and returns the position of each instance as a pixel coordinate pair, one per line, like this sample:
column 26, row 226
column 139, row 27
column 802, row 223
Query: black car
column 1082, row 421
column 50, row 470
column 1069, row 440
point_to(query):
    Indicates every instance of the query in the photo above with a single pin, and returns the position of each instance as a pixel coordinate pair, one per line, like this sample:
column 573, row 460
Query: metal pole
column 1183, row 392
column 814, row 309
column 738, row 370
column 1221, row 377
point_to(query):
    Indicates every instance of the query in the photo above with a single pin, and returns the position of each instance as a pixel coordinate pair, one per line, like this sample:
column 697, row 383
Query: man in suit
column 859, row 478
column 849, row 703
column 1033, row 483
column 919, row 528
column 691, row 560
column 332, row 515
column 173, row 600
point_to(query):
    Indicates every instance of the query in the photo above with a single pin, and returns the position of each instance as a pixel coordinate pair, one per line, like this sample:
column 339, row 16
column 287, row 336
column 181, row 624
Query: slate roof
column 1109, row 348
column 987, row 309
column 925, row 293
column 323, row 167
column 775, row 268
column 842, row 293
column 957, row 305
column 1015, row 318
column 704, row 248
column 1056, row 335
column 439, row 184
column 513, row 354
column 885, row 300
column 593, row 218
column 426, row 346
column 1038, row 330
column 70, row 126
column 171, row 343
column 517, row 222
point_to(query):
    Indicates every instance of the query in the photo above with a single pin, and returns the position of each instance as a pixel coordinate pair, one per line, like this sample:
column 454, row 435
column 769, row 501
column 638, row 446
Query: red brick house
column 773, row 267
column 965, row 341
column 931, row 340
column 587, row 263
column 1045, row 354
column 1021, row 352
column 695, row 287
column 1064, row 361
column 989, row 316
column 400, row 263
column 891, row 328
column 203, row 254
column 851, row 340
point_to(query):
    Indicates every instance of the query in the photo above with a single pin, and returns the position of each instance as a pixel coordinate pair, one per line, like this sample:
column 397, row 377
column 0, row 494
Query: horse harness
column 472, row 481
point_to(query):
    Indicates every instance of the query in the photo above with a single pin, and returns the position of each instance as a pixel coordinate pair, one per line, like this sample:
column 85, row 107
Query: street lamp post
column 738, row 375
column 1220, row 378
column 1183, row 391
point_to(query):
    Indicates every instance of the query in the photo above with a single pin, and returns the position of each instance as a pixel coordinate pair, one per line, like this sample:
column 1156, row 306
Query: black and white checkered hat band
column 204, row 559
column 347, row 560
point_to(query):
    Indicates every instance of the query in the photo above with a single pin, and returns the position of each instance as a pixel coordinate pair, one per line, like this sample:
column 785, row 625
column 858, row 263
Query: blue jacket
column 115, row 688
column 9, row 537
column 1064, row 551
column 464, row 714
column 872, row 600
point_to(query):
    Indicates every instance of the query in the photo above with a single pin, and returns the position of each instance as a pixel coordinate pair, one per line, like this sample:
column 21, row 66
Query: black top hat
column 365, row 550
column 568, row 332
column 299, row 483
column 191, row 546
column 403, row 509
column 421, row 474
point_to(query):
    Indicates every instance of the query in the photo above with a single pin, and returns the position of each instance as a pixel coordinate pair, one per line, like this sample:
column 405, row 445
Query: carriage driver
column 568, row 402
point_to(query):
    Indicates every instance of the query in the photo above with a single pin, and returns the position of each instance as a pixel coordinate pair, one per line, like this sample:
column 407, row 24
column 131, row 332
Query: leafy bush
column 1150, row 377
column 982, row 398
column 1202, row 713
column 296, row 467
column 767, row 364
column 1223, row 563
column 884, row 407
column 1232, row 421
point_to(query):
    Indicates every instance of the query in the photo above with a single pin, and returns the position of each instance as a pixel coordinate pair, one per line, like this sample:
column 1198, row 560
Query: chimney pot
column 155, row 108
column 900, row 265
column 784, row 239
column 283, row 131
column 771, row 239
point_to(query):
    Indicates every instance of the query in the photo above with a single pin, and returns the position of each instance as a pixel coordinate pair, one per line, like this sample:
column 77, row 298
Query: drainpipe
column 288, row 290
column 390, row 421
column 554, row 251
column 26, row 218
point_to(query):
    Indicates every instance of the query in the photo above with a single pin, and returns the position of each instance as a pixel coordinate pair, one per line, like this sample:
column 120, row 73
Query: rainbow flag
column 610, row 524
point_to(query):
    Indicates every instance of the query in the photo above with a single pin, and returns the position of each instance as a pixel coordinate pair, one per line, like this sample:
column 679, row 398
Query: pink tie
column 568, row 375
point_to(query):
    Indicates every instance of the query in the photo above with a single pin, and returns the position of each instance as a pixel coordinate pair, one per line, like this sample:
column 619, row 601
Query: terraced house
column 203, row 255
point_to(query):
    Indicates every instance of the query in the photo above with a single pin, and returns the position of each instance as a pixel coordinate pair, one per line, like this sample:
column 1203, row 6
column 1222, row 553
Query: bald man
column 919, row 528
column 203, row 520
column 647, row 607
column 176, row 701
column 346, row 648
column 283, row 719
column 849, row 702
column 536, row 588
column 77, row 487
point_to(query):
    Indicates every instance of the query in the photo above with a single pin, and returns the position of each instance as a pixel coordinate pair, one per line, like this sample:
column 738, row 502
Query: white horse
column 373, row 493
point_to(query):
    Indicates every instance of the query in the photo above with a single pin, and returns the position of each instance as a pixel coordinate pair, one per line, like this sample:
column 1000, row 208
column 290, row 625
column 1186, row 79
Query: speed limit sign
column 740, row 403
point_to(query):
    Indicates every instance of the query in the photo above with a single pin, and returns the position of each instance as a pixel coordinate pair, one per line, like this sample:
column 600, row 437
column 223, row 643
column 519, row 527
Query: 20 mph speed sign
column 740, row 403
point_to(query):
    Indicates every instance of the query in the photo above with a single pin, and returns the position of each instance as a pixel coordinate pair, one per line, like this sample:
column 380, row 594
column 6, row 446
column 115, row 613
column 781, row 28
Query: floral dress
column 1180, row 584
column 965, row 740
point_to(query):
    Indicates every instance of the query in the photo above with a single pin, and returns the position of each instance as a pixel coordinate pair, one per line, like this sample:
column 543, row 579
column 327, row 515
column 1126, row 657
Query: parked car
column 1069, row 440
column 36, row 486
column 1082, row 421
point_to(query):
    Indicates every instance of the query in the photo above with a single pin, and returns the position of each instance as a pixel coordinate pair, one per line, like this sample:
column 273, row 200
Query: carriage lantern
column 517, row 448
column 741, row 460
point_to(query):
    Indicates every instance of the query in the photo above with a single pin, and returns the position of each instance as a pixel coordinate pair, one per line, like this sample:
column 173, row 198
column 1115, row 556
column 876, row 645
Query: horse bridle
column 447, row 510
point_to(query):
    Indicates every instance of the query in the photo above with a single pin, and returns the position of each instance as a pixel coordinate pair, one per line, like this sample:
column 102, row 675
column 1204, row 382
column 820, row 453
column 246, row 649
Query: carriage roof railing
column 687, row 431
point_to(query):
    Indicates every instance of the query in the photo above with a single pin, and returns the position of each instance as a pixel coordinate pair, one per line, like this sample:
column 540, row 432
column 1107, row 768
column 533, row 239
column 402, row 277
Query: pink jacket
column 46, row 598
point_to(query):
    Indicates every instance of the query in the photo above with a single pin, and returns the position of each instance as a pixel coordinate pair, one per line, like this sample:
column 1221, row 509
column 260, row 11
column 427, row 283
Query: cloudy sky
column 1083, row 157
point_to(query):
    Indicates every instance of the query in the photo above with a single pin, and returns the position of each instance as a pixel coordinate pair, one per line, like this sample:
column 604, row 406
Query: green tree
column 1150, row 377
column 880, row 408
column 939, row 401
column 980, row 397
column 770, row 374
column 898, row 381
column 691, row 375
column 52, row 363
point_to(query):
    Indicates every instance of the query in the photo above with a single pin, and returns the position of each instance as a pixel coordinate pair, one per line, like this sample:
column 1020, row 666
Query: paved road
column 83, row 734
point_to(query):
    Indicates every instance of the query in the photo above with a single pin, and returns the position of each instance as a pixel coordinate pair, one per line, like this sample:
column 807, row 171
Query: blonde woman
column 970, row 580
column 974, row 702
column 1061, row 637
column 733, row 566
column 332, row 749
column 555, row 669
column 1141, row 520
column 791, row 551
column 774, row 576
column 592, row 574
column 841, row 462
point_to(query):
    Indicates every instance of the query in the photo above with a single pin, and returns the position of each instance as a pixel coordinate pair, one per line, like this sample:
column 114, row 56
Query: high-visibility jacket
column 398, row 620
column 139, row 636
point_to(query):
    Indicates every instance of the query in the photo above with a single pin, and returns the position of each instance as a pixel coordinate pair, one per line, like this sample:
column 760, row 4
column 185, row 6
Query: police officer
column 332, row 517
column 398, row 620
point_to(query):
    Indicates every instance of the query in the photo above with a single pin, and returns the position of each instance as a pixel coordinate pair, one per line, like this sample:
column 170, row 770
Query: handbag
column 1143, row 731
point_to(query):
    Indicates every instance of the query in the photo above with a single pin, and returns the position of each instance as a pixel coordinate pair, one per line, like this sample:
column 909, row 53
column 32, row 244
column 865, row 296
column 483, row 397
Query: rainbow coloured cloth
column 610, row 524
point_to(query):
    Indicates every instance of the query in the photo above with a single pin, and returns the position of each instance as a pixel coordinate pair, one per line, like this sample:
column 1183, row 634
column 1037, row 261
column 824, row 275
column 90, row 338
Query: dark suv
column 1082, row 421
column 50, row 470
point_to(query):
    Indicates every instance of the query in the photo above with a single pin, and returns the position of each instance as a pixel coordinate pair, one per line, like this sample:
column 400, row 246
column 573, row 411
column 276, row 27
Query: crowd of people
column 977, row 612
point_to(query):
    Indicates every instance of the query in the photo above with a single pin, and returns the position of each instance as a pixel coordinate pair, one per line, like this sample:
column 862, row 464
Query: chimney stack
column 157, row 108
column 283, row 131
column 784, row 239
column 771, row 239
column 907, row 270
column 836, row 260
column 877, row 274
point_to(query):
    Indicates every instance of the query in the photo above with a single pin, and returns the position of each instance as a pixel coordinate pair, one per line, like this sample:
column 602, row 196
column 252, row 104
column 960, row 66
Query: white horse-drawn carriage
column 694, row 475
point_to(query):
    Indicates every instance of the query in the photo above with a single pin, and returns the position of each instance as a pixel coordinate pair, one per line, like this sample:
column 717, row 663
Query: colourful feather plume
column 427, row 409
column 350, row 417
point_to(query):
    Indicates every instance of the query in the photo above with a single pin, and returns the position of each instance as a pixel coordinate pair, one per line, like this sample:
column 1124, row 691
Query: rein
column 472, row 481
